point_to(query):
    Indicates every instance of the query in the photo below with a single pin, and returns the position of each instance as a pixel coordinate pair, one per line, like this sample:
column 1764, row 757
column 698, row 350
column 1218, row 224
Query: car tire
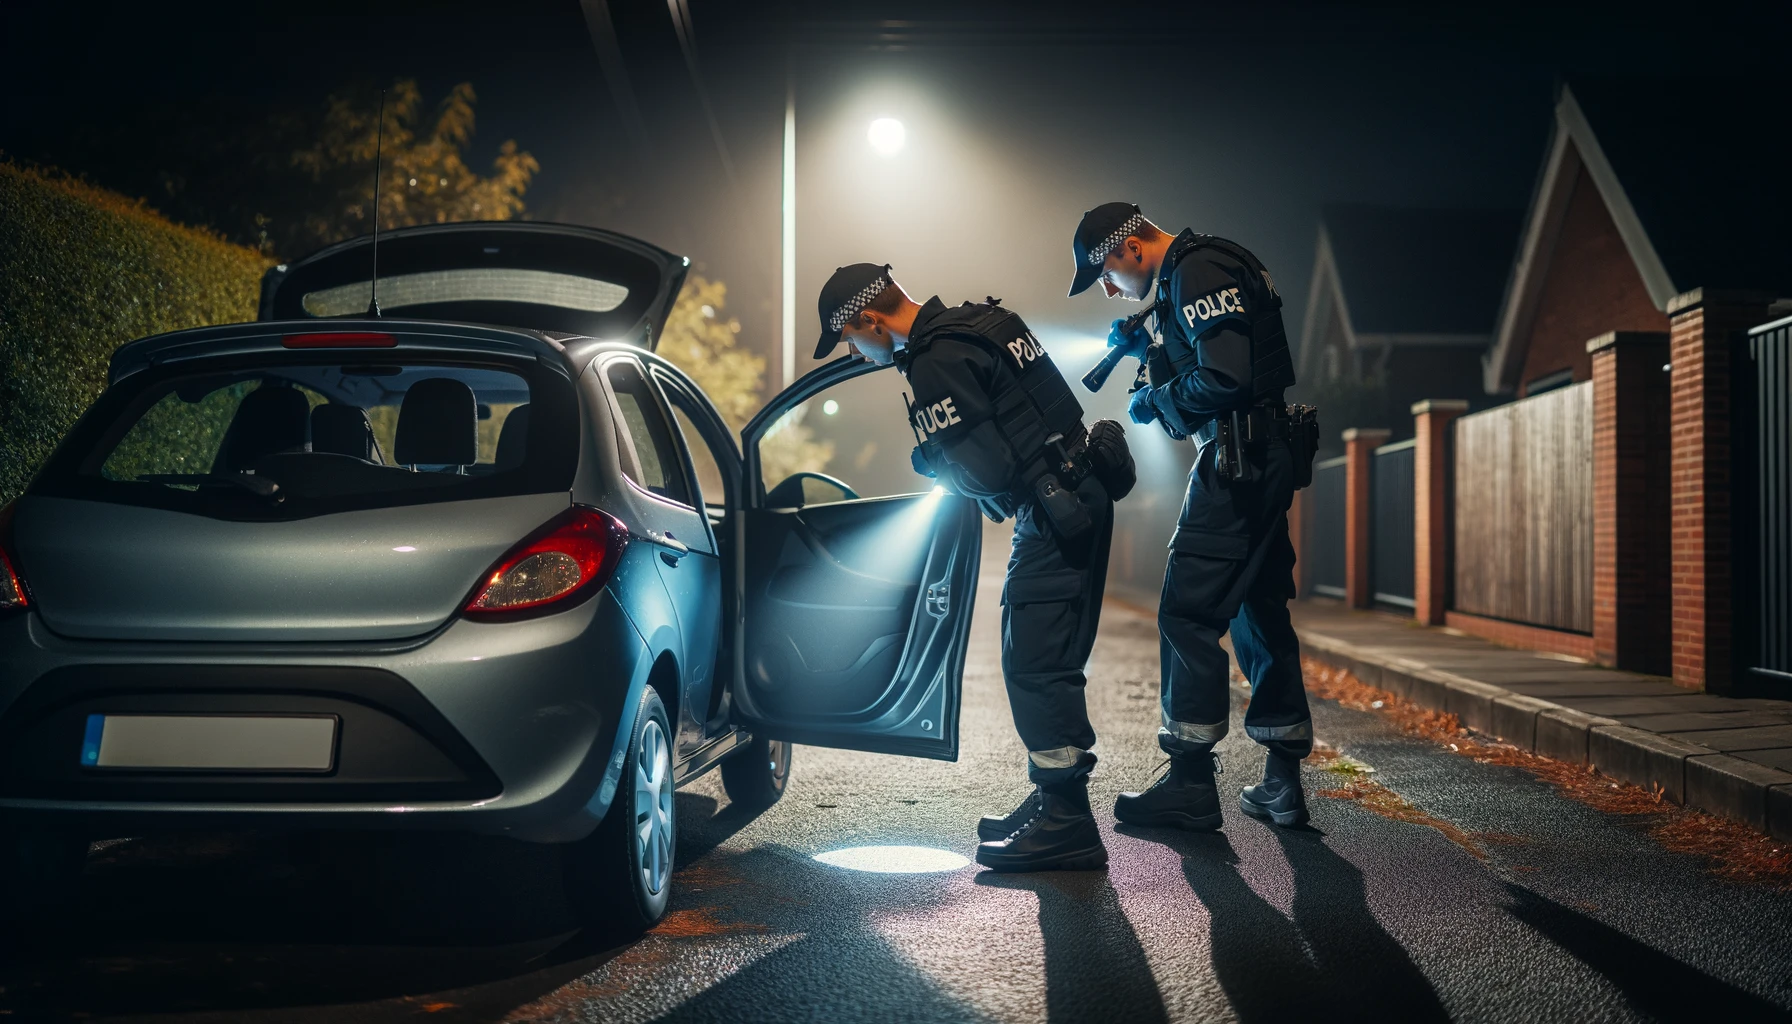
column 620, row 877
column 756, row 775
column 40, row 872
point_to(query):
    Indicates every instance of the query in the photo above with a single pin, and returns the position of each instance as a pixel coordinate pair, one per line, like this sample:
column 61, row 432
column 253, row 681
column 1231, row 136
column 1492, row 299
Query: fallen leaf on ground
column 1731, row 849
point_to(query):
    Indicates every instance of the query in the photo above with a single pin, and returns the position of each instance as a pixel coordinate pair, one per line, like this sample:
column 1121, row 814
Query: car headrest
column 342, row 430
column 269, row 419
column 513, row 439
column 438, row 424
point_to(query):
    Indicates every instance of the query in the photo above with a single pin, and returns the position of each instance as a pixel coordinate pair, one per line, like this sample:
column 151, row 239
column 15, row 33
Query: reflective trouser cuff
column 1054, row 767
column 1295, row 739
column 1190, row 737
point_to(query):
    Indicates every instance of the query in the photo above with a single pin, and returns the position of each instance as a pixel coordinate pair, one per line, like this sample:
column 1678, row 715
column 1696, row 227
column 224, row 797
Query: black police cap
column 1102, row 229
column 845, row 295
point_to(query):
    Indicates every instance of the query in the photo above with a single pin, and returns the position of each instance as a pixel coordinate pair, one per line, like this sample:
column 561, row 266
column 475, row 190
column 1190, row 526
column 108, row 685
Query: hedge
column 82, row 271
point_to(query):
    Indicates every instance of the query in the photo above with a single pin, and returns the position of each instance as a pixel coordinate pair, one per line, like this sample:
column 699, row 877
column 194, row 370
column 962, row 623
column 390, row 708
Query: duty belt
column 1264, row 422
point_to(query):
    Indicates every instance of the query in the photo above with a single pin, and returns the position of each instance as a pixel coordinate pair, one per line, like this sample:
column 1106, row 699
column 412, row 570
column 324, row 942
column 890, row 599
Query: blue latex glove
column 1133, row 342
column 918, row 459
column 1150, row 404
column 1142, row 409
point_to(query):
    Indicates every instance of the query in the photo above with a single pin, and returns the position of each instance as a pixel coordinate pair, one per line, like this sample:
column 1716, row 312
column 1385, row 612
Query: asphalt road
column 1539, row 909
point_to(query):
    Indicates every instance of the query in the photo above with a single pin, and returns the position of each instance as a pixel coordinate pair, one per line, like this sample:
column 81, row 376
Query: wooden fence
column 1524, row 511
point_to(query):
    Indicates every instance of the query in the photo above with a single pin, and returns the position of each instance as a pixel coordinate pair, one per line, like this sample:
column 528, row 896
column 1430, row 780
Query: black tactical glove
column 1111, row 459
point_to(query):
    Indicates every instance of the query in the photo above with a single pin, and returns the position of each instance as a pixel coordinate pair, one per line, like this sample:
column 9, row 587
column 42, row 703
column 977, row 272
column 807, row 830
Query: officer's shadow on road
column 1095, row 968
column 1332, row 959
column 1655, row 984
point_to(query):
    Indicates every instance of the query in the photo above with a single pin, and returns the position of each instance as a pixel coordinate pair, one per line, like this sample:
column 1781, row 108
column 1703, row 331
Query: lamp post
column 787, row 271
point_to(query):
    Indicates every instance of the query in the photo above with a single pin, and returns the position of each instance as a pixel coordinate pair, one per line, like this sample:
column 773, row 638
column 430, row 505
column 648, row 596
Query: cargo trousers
column 1231, row 569
column 1051, row 608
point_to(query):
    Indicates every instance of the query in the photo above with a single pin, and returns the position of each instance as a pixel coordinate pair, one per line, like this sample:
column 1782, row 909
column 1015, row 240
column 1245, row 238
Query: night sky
column 1241, row 120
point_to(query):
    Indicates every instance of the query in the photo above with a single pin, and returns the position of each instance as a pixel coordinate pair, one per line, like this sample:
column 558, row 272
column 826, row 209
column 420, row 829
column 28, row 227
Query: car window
column 710, row 488
column 658, row 466
column 290, row 437
column 856, row 433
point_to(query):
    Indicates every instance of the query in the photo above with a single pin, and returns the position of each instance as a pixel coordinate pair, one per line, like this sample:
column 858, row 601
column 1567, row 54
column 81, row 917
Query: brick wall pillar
column 1359, row 448
column 1632, row 602
column 1702, row 327
column 1431, row 471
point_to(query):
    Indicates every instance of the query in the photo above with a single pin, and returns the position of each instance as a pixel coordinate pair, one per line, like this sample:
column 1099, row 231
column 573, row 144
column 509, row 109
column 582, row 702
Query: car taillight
column 12, row 586
column 568, row 559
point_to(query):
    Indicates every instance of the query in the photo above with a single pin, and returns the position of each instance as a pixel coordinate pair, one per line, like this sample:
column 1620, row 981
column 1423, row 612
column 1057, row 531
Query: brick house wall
column 1592, row 287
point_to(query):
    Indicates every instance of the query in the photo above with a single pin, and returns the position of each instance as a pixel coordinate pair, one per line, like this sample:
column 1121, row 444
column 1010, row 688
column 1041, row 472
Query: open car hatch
column 545, row 277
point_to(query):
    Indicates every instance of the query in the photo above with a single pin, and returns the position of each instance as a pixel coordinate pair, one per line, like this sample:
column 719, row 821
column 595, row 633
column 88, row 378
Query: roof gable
column 1692, row 178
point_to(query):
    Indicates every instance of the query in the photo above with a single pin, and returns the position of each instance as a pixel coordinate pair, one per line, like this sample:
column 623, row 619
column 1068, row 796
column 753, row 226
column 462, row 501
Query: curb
column 1689, row 774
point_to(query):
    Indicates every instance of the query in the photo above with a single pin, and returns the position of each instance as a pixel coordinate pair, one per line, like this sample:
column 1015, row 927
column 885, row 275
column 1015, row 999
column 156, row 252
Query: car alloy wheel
column 619, row 878
column 653, row 808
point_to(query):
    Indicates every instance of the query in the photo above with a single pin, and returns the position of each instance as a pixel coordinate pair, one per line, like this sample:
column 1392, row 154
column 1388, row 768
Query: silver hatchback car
column 454, row 567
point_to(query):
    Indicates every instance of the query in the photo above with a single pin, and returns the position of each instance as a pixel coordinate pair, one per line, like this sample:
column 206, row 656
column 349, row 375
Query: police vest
column 1033, row 405
column 1272, row 367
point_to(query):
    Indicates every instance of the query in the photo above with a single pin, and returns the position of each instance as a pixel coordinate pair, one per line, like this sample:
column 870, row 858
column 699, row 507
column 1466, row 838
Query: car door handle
column 671, row 548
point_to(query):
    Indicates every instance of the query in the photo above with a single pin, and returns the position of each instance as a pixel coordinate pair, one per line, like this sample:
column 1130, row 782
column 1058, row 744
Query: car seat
column 343, row 430
column 513, row 439
column 270, row 419
column 438, row 425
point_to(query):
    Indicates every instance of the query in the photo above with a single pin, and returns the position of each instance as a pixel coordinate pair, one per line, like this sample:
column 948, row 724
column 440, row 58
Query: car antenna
column 379, row 145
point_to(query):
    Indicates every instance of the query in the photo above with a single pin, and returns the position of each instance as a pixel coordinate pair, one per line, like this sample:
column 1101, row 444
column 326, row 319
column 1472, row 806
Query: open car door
column 854, row 611
column 545, row 277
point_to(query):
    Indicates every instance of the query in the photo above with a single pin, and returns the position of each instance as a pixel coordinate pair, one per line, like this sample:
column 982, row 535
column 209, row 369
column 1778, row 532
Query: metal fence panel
column 1392, row 524
column 1764, row 504
column 1323, row 546
column 1524, row 511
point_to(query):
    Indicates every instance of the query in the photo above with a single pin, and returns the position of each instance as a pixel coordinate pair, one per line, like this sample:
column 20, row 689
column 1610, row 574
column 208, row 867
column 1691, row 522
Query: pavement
column 1430, row 886
column 1726, row 755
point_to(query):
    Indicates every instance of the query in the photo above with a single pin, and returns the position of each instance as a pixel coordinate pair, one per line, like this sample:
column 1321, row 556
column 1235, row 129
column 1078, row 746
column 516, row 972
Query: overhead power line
column 687, row 41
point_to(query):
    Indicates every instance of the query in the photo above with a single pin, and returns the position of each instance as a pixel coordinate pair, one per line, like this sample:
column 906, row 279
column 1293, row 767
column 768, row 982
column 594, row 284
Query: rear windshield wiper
column 260, row 486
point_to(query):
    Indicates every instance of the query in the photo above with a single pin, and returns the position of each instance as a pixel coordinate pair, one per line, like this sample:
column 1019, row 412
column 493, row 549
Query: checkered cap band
column 855, row 305
column 1129, row 227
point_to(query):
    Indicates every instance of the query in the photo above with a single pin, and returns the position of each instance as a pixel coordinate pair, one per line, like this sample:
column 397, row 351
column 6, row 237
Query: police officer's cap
column 846, row 295
column 1102, row 229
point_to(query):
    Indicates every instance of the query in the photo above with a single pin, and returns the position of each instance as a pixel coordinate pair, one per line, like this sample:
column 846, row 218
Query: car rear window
column 401, row 292
column 293, row 437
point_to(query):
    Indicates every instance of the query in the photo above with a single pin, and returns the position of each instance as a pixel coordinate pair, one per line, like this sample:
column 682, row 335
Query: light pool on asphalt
column 894, row 860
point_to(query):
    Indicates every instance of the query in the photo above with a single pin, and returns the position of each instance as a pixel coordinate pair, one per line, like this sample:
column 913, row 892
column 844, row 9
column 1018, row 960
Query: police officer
column 1217, row 377
column 998, row 424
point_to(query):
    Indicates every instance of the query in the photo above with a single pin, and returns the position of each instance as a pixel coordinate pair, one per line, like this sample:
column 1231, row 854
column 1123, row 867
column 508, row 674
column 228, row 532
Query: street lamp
column 887, row 135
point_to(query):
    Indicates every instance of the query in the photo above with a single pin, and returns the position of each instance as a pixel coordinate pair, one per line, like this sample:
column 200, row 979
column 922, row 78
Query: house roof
column 1408, row 271
column 1693, row 173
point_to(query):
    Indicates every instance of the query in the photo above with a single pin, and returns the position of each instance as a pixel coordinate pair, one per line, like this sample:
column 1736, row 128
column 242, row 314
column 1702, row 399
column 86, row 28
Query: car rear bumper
column 503, row 728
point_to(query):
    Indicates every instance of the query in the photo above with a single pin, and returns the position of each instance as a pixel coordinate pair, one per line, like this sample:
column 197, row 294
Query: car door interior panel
column 855, row 615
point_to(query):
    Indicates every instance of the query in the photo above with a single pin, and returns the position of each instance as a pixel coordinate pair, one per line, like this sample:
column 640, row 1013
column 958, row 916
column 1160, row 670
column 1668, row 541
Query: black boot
column 996, row 827
column 1062, row 835
column 1183, row 797
column 1278, row 797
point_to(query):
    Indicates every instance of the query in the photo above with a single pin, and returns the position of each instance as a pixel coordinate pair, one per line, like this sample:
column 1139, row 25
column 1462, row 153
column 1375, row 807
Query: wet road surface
column 1523, row 906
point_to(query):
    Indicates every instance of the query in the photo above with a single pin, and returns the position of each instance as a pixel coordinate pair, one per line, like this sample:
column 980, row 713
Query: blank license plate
column 210, row 742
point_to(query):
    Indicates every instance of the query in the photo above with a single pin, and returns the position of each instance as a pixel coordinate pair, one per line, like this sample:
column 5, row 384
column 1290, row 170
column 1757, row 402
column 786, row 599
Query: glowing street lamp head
column 887, row 135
